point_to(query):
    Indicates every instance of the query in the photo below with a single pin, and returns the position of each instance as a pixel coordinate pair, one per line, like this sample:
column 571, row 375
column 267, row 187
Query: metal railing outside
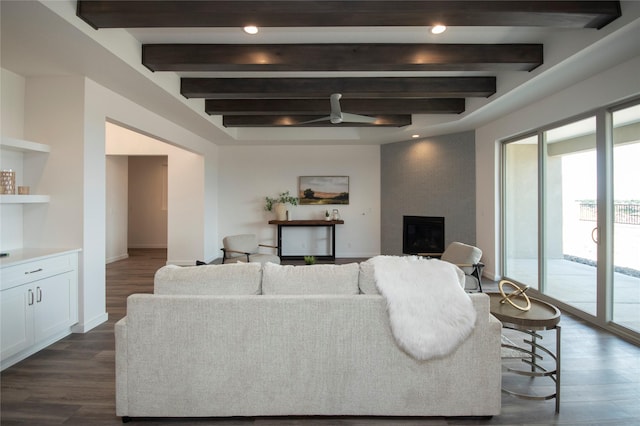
column 624, row 212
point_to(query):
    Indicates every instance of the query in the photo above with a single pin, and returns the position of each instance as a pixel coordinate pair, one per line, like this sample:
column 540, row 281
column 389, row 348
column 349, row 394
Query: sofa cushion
column 213, row 280
column 313, row 279
column 366, row 279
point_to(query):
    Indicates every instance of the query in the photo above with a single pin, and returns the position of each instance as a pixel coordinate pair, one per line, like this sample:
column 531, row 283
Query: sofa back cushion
column 313, row 279
column 366, row 279
column 212, row 280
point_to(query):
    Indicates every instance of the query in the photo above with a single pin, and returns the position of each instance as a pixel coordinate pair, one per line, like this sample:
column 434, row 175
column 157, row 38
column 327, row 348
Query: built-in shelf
column 23, row 199
column 22, row 145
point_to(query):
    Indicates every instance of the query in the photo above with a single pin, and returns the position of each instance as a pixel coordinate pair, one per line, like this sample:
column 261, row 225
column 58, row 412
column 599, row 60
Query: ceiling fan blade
column 337, row 116
column 356, row 118
column 317, row 120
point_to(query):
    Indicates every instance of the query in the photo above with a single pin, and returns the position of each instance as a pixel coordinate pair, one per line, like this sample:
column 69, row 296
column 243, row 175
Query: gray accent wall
column 435, row 176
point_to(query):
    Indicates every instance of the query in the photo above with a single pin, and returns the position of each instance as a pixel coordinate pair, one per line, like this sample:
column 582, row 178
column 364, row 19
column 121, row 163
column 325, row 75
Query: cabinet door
column 16, row 322
column 54, row 307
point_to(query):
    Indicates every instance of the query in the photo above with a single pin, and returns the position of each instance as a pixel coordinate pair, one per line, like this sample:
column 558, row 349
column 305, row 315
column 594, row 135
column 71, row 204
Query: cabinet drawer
column 35, row 270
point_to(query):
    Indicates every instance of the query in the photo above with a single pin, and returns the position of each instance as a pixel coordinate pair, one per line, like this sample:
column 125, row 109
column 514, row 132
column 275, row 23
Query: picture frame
column 323, row 190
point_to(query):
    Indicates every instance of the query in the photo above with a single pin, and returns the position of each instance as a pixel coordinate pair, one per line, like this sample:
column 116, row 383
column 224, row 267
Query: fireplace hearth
column 423, row 235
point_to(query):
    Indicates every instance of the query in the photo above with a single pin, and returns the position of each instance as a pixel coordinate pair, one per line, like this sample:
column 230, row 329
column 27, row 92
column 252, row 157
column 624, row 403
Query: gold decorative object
column 7, row 182
column 517, row 291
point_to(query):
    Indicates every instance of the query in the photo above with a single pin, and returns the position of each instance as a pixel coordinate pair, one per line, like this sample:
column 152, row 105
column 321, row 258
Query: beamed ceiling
column 410, row 78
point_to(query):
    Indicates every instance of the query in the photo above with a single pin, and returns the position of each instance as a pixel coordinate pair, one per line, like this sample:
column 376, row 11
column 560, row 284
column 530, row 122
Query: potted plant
column 310, row 260
column 279, row 204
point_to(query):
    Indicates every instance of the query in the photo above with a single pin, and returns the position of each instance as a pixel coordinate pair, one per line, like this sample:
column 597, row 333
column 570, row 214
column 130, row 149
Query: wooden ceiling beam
column 303, row 121
column 172, row 13
column 322, row 106
column 342, row 57
column 350, row 87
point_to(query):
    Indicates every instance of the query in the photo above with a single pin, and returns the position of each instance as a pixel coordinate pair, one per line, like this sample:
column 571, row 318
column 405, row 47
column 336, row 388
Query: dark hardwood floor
column 72, row 381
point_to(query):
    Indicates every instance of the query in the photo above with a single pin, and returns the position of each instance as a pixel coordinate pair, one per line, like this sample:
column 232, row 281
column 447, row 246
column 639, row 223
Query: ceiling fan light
column 251, row 29
column 438, row 29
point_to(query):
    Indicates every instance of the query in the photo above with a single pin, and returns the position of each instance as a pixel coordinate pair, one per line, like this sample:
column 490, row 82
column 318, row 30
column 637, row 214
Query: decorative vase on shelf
column 279, row 205
column 281, row 211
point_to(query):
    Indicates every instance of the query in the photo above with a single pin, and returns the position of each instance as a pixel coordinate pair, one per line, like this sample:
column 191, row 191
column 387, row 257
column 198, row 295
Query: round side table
column 541, row 316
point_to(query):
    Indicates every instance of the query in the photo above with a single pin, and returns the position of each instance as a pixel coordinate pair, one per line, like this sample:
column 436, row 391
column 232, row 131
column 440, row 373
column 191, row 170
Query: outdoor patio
column 575, row 284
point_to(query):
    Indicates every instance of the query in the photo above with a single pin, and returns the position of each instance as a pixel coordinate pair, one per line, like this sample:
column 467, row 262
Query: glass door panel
column 521, row 211
column 626, row 212
column 570, row 250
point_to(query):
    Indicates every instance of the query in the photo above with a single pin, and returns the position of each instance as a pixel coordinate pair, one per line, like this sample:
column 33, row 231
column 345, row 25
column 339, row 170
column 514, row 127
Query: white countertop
column 23, row 255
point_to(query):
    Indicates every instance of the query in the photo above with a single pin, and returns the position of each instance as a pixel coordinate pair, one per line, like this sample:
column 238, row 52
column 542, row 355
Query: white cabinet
column 15, row 156
column 16, row 328
column 38, row 301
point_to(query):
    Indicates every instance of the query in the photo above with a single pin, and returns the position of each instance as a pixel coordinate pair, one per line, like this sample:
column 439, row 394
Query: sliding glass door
column 571, row 215
column 521, row 210
column 626, row 214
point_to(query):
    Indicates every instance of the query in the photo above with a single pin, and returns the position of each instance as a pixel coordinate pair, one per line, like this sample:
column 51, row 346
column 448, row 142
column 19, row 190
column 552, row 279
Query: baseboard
column 356, row 255
column 491, row 275
column 147, row 246
column 90, row 325
column 116, row 258
column 181, row 262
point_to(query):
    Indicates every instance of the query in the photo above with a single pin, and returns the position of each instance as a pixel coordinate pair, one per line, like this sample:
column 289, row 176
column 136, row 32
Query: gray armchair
column 467, row 258
column 244, row 248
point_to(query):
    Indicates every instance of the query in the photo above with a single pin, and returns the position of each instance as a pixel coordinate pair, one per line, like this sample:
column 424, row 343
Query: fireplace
column 423, row 235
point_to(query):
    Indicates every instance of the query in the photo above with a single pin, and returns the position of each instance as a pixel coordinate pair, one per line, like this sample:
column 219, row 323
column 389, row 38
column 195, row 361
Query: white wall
column 54, row 114
column 617, row 83
column 117, row 208
column 249, row 174
column 12, row 90
column 147, row 202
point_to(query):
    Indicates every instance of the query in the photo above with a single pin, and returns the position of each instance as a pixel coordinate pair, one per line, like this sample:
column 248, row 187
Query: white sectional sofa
column 251, row 340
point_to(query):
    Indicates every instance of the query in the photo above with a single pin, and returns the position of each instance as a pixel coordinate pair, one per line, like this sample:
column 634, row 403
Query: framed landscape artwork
column 323, row 190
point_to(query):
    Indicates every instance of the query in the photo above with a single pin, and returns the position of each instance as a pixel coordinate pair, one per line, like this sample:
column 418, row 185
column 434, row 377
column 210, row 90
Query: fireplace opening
column 423, row 235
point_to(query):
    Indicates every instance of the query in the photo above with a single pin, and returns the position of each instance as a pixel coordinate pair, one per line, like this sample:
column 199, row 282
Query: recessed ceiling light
column 415, row 136
column 438, row 29
column 251, row 29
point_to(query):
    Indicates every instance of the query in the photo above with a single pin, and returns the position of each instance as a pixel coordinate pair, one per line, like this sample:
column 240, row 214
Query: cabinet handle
column 30, row 302
column 33, row 272
column 39, row 295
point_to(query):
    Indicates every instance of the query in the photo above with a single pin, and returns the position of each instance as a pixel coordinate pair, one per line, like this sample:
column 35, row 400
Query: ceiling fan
column 337, row 116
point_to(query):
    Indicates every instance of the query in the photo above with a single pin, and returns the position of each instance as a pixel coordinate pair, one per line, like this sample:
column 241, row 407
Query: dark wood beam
column 166, row 13
column 322, row 106
column 342, row 57
column 350, row 87
column 303, row 121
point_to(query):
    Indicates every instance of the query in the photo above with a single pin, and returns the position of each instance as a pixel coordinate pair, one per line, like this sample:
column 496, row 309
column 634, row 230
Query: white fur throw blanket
column 429, row 311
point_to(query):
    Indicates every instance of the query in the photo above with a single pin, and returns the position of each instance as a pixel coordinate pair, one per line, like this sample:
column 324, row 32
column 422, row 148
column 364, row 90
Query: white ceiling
column 46, row 38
